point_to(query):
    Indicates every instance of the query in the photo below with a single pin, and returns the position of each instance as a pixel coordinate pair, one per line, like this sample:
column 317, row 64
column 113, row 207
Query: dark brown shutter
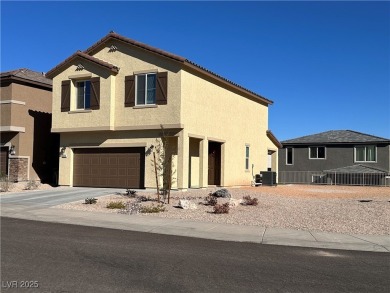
column 161, row 89
column 95, row 93
column 65, row 96
column 129, row 91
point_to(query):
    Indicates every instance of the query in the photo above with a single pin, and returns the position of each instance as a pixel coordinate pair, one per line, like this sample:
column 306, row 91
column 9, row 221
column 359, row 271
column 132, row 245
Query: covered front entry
column 109, row 167
column 214, row 167
column 3, row 161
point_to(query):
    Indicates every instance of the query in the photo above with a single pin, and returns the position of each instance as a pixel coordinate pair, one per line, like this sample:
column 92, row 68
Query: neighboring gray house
column 335, row 157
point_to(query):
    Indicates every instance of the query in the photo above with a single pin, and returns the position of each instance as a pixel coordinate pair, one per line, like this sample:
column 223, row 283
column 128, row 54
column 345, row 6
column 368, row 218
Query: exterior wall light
column 62, row 152
column 12, row 151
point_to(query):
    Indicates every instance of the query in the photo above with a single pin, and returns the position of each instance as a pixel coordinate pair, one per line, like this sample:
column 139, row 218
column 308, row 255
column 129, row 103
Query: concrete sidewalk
column 225, row 232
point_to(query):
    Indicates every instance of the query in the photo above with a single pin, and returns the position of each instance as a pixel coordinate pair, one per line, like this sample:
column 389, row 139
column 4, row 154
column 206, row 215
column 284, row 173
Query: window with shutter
column 65, row 96
column 95, row 93
column 129, row 91
column 162, row 87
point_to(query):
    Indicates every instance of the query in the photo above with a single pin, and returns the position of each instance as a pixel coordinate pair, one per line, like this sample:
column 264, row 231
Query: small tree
column 162, row 161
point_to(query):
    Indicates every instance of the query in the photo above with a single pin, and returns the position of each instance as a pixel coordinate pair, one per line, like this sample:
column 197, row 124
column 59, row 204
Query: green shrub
column 152, row 209
column 90, row 200
column 250, row 201
column 221, row 208
column 116, row 205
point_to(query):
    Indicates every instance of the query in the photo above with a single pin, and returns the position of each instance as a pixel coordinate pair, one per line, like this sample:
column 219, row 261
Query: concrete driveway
column 55, row 196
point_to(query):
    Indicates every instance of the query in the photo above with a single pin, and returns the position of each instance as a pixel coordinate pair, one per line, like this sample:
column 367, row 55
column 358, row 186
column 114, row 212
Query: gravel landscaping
column 341, row 209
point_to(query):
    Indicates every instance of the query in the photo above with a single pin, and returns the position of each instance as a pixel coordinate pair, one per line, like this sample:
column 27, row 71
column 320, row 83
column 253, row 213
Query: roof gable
column 337, row 137
column 187, row 64
column 53, row 72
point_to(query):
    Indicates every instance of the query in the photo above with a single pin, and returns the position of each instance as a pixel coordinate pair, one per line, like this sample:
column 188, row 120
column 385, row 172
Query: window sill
column 80, row 111
column 145, row 106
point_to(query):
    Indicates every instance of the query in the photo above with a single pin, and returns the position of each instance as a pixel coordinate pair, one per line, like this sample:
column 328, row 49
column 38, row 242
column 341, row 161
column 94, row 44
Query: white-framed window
column 365, row 153
column 83, row 94
column 146, row 89
column 247, row 157
column 289, row 156
column 317, row 152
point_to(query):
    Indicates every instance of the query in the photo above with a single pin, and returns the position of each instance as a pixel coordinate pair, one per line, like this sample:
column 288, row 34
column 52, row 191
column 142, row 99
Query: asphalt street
column 71, row 258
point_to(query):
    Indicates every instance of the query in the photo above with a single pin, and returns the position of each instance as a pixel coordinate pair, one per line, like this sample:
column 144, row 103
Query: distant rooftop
column 337, row 136
column 27, row 75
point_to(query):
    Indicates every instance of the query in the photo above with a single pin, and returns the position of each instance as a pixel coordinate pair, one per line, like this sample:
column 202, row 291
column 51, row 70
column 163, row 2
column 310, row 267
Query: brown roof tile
column 186, row 63
column 27, row 75
column 85, row 56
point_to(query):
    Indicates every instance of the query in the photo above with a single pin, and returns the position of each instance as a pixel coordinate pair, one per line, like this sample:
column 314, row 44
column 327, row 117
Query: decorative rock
column 222, row 193
column 235, row 202
column 187, row 204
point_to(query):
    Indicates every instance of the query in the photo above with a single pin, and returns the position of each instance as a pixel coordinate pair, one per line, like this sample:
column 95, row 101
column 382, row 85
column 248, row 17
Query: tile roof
column 357, row 169
column 83, row 55
column 187, row 63
column 337, row 137
column 273, row 138
column 27, row 75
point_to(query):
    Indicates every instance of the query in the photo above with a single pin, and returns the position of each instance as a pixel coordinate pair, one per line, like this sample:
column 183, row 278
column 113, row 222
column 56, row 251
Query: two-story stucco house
column 110, row 101
column 28, row 148
column 335, row 157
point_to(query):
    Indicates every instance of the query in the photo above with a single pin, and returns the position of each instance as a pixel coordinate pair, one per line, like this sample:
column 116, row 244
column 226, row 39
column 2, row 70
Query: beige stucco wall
column 81, row 119
column 112, row 113
column 111, row 139
column 206, row 111
column 219, row 114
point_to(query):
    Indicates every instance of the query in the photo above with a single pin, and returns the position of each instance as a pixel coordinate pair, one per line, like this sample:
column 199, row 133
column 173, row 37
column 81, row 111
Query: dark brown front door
column 214, row 163
column 109, row 167
column 4, row 161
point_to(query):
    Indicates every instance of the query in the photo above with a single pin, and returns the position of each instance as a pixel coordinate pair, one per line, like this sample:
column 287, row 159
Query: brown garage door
column 109, row 167
column 3, row 161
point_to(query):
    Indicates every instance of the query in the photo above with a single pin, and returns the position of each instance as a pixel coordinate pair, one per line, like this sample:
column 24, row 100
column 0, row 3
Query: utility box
column 269, row 178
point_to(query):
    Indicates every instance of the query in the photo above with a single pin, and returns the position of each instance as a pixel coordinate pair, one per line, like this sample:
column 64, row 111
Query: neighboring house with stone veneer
column 110, row 100
column 28, row 149
column 335, row 157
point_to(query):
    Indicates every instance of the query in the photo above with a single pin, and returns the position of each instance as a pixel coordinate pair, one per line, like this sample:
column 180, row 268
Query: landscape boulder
column 187, row 204
column 224, row 193
column 234, row 202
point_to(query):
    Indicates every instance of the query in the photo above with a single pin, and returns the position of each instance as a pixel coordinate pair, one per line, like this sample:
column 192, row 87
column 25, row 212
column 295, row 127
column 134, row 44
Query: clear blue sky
column 326, row 65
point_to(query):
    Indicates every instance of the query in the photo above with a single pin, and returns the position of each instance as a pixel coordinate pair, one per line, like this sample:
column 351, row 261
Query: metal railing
column 334, row 178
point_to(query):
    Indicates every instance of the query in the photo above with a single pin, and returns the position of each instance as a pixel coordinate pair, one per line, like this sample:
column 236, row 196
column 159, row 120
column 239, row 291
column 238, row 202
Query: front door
column 214, row 163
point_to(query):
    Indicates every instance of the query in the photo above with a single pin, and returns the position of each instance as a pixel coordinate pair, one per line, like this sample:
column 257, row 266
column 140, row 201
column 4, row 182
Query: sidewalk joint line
column 262, row 236
column 371, row 242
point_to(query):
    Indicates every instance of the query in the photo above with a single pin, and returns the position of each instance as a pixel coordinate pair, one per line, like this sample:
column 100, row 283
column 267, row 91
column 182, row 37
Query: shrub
column 90, row 200
column 32, row 185
column 131, row 192
column 5, row 183
column 211, row 200
column 144, row 198
column 221, row 208
column 115, row 205
column 152, row 209
column 250, row 201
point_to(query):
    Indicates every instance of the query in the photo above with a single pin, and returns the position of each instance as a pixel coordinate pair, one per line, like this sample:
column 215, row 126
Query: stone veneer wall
column 18, row 169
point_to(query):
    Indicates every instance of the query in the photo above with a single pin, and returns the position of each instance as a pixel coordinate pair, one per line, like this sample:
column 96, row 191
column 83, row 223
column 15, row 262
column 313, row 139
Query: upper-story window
column 365, row 153
column 80, row 94
column 289, row 156
column 317, row 152
column 83, row 89
column 146, row 89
